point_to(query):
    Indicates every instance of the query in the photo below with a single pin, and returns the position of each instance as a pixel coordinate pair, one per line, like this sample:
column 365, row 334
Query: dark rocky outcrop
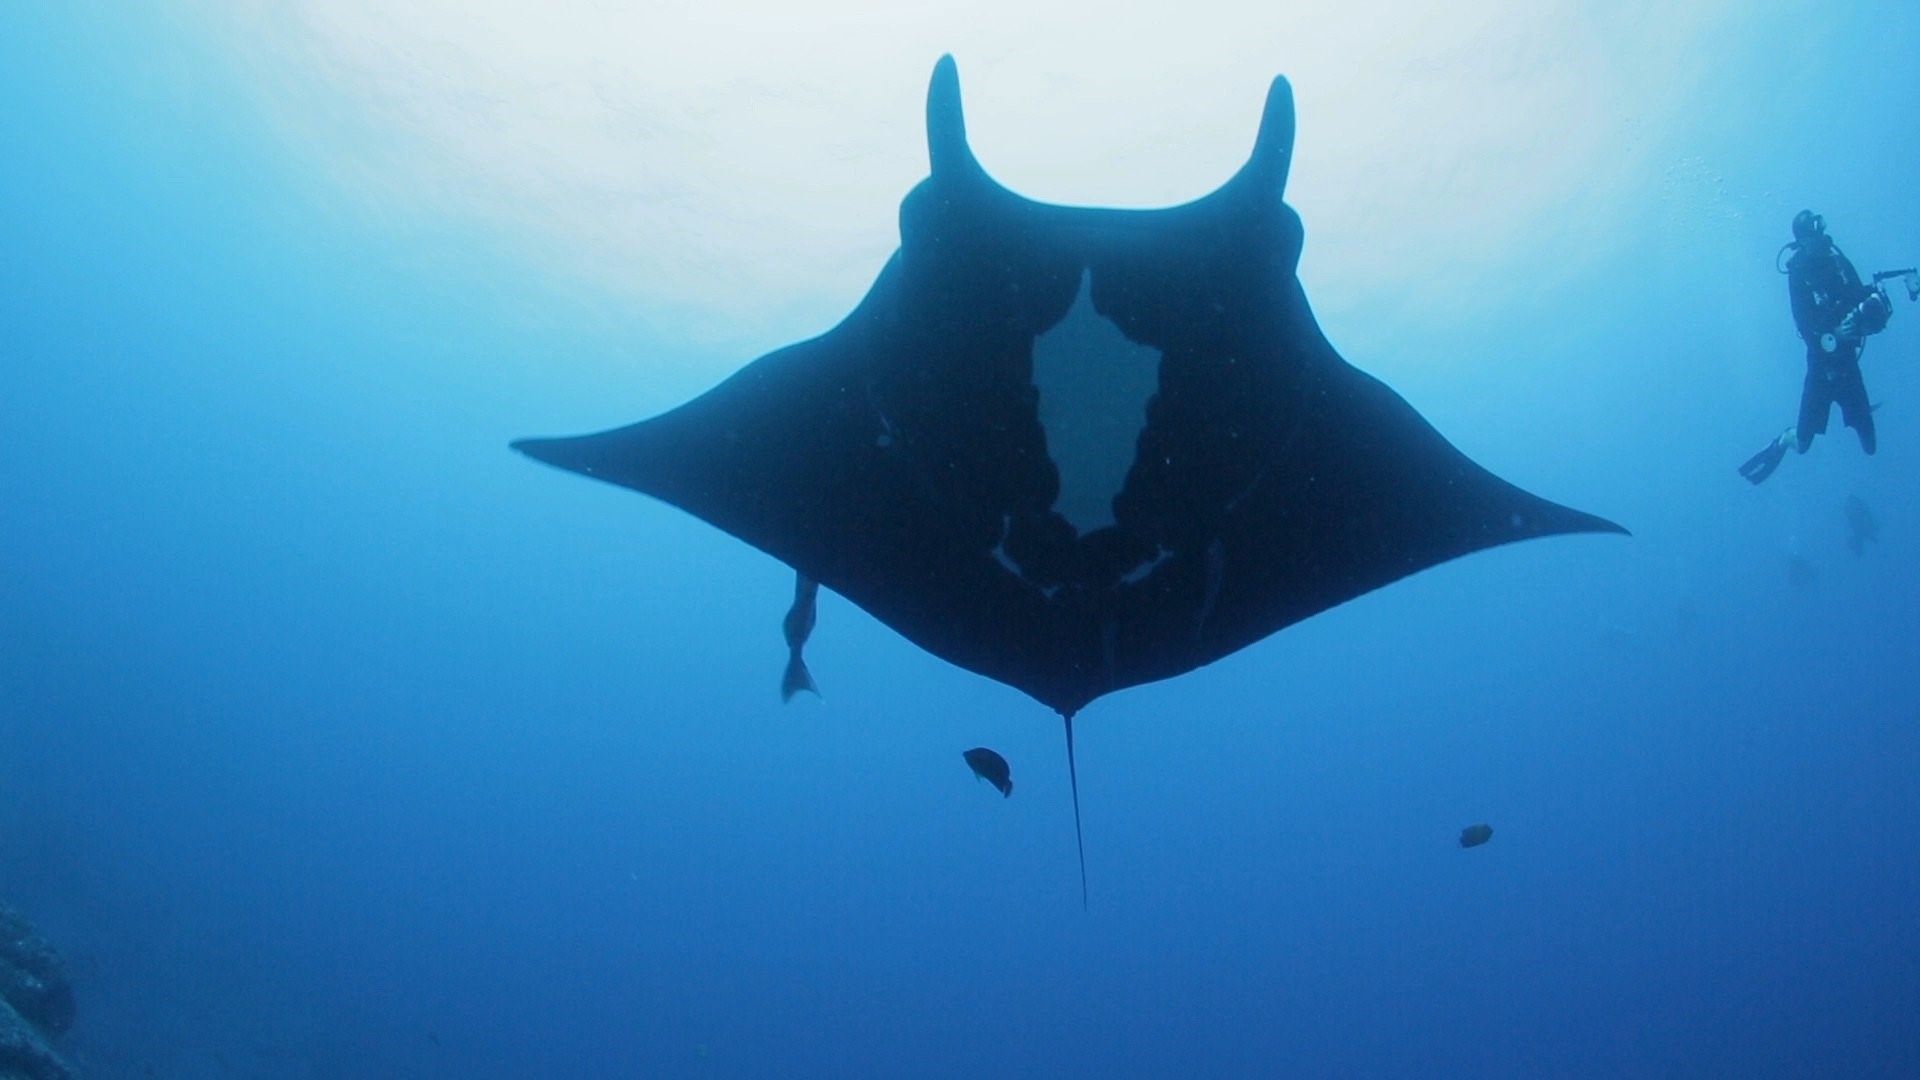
column 36, row 1003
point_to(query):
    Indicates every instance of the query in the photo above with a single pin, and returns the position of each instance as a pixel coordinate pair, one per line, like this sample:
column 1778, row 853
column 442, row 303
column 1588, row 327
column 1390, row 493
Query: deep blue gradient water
column 338, row 741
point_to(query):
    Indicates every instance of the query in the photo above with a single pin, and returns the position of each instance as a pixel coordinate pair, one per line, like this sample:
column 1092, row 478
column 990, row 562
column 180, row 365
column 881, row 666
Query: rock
column 36, row 1003
column 24, row 1053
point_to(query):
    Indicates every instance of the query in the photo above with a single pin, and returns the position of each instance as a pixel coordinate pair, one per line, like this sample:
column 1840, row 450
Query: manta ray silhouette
column 1076, row 449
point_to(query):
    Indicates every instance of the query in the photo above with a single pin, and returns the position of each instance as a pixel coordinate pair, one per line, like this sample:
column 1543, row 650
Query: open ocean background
column 338, row 741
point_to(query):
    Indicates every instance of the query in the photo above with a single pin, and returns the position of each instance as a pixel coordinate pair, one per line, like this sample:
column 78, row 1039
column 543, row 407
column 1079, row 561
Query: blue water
column 338, row 741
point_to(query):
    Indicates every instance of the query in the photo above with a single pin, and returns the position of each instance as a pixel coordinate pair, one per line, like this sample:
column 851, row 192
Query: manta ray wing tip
column 561, row 453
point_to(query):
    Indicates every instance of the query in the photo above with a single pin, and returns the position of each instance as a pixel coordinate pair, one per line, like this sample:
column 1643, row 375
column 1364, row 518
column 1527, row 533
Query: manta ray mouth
column 1094, row 384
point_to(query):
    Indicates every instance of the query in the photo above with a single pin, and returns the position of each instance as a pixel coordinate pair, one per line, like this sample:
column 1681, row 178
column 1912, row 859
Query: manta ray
column 1075, row 449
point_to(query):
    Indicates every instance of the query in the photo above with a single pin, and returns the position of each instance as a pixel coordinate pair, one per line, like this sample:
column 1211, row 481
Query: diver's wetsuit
column 1824, row 287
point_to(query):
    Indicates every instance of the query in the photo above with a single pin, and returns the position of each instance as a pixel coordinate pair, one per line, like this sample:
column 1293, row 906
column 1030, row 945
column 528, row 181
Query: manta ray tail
column 796, row 678
column 1073, row 781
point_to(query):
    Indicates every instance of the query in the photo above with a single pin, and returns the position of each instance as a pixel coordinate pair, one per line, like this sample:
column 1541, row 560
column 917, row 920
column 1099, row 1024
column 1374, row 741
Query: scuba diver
column 1835, row 312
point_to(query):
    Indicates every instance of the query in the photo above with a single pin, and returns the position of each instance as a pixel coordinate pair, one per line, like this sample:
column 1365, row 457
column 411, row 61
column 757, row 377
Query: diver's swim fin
column 1761, row 465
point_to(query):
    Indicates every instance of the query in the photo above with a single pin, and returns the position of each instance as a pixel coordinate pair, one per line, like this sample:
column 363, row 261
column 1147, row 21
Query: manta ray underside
column 1073, row 449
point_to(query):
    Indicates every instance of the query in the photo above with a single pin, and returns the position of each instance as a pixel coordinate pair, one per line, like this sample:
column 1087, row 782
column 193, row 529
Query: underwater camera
column 1871, row 314
column 1868, row 317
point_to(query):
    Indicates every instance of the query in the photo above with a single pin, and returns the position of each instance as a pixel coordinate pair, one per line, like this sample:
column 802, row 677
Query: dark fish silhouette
column 1073, row 449
column 1800, row 570
column 1475, row 835
column 990, row 767
column 798, row 626
column 1861, row 527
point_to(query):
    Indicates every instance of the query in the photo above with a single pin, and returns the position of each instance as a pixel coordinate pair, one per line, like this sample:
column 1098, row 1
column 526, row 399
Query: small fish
column 1475, row 835
column 798, row 626
column 992, row 768
column 1800, row 570
column 1861, row 527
